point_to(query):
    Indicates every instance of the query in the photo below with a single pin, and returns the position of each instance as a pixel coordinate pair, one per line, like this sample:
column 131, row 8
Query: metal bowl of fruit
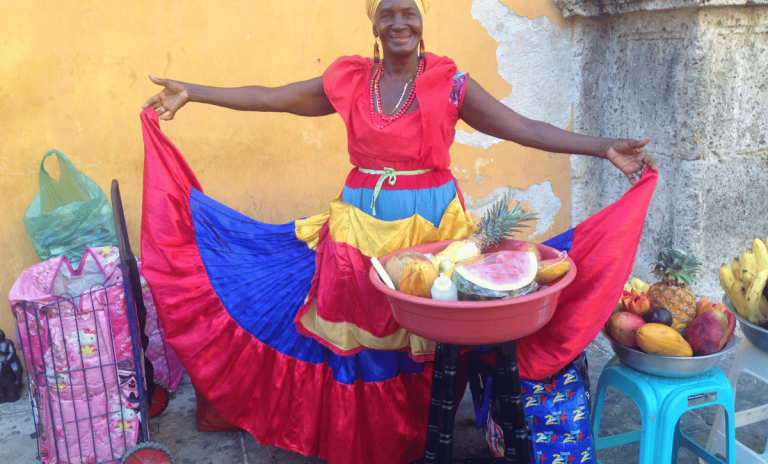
column 756, row 334
column 475, row 322
column 667, row 366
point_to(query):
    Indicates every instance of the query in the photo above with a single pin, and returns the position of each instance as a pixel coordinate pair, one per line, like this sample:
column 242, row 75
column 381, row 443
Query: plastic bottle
column 444, row 289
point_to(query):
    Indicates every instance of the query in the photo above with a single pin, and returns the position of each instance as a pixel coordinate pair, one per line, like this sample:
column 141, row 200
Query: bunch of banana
column 744, row 281
column 637, row 284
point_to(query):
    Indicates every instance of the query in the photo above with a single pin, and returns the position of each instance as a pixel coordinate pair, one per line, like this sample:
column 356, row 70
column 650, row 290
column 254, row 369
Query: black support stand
column 442, row 406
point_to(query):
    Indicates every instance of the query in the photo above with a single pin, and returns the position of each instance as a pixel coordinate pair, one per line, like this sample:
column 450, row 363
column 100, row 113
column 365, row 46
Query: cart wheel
column 160, row 400
column 147, row 453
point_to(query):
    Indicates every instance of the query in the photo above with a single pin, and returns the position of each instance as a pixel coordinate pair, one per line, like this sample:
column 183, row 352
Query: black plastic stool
column 439, row 447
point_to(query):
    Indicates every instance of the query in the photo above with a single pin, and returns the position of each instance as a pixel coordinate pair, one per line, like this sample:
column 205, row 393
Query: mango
column 551, row 270
column 708, row 333
column 623, row 328
column 704, row 305
column 637, row 303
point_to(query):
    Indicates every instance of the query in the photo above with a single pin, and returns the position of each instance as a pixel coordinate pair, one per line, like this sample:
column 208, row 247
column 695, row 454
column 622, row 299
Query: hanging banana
column 754, row 296
column 726, row 278
column 764, row 306
column 761, row 254
column 748, row 267
column 738, row 296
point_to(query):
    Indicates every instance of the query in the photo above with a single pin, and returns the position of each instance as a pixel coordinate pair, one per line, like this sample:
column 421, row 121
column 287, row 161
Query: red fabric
column 604, row 248
column 344, row 284
column 208, row 420
column 397, row 146
column 273, row 396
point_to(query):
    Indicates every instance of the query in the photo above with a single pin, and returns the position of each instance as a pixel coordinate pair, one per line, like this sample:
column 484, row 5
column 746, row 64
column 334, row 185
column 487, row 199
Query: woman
column 319, row 366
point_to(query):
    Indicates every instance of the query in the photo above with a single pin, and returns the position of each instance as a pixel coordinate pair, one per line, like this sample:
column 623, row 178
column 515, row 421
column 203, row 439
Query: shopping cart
column 81, row 337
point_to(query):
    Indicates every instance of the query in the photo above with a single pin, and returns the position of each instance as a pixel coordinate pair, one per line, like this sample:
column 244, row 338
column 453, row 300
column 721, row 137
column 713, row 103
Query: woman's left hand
column 629, row 156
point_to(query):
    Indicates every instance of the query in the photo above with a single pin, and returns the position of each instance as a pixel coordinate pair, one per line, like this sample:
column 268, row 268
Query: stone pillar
column 693, row 76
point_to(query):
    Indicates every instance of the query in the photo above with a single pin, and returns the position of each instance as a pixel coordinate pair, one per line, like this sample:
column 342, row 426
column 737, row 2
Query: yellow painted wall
column 73, row 77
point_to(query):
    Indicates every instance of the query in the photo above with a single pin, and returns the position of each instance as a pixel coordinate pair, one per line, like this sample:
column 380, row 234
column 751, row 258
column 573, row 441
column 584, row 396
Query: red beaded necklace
column 376, row 96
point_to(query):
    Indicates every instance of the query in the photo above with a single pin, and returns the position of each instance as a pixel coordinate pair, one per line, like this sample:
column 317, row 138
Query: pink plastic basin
column 475, row 322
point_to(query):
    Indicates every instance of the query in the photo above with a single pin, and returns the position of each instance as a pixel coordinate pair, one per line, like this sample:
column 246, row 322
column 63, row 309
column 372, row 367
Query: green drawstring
column 387, row 173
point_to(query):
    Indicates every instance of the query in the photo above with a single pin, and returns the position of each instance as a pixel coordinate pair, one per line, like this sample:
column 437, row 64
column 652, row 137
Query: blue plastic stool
column 662, row 401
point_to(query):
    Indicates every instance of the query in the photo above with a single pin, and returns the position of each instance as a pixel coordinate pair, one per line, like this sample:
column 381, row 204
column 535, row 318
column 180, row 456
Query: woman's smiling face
column 399, row 26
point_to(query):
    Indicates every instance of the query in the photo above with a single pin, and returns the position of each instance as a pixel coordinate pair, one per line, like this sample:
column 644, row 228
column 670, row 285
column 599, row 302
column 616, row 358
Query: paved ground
column 176, row 427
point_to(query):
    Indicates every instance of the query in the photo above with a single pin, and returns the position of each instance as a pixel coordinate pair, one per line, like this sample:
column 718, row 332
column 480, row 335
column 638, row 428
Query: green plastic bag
column 68, row 215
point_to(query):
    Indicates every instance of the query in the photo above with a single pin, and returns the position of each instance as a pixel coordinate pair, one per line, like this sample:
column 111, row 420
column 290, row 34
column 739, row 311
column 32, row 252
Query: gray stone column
column 693, row 76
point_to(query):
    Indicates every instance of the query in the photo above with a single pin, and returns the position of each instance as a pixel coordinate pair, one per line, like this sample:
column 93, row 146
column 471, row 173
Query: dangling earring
column 376, row 56
column 422, row 51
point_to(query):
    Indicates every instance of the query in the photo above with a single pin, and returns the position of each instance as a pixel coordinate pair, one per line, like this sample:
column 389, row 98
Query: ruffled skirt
column 278, row 326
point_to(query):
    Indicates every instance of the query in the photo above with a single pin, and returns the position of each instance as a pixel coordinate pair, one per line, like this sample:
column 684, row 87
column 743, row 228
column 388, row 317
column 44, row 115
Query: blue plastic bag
column 69, row 214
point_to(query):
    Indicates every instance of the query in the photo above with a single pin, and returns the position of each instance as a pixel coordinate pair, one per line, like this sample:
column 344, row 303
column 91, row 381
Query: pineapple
column 497, row 224
column 677, row 270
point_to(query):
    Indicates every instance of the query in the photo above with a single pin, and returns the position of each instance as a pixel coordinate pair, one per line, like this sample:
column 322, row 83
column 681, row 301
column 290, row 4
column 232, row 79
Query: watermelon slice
column 499, row 275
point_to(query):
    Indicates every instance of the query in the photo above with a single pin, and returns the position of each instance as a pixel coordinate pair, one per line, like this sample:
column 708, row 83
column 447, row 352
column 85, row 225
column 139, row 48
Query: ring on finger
column 161, row 110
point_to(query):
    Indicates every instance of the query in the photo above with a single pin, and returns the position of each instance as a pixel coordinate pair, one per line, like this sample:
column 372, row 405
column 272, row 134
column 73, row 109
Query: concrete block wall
column 691, row 75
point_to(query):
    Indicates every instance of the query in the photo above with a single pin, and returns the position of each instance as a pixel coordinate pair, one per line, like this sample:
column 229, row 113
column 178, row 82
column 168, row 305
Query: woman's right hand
column 169, row 100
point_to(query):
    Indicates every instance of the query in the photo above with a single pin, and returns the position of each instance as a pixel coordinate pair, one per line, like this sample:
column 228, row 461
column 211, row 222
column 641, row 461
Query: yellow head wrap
column 372, row 5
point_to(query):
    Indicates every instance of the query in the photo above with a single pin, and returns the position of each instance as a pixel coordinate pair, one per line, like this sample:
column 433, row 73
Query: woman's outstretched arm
column 486, row 114
column 305, row 98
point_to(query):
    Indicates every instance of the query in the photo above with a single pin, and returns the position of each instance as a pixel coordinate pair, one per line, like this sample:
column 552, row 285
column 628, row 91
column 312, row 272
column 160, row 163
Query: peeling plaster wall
column 536, row 57
column 74, row 78
column 540, row 198
column 534, row 53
